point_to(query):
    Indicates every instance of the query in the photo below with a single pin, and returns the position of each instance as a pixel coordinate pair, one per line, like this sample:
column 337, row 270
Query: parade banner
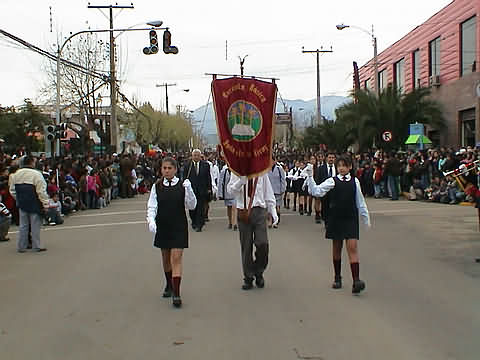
column 245, row 112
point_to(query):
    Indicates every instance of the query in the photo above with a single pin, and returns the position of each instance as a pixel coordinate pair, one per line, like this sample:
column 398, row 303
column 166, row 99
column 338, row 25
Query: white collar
column 347, row 177
column 174, row 181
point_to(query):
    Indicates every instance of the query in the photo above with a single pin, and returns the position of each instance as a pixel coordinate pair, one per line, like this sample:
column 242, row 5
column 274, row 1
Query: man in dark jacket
column 198, row 172
column 29, row 188
column 394, row 170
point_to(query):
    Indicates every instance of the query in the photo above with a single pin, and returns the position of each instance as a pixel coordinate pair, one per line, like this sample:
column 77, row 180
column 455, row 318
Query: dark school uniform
column 342, row 213
column 171, row 219
column 346, row 204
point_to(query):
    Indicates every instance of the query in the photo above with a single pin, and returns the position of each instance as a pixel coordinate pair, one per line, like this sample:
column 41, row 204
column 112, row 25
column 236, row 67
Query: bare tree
column 79, row 87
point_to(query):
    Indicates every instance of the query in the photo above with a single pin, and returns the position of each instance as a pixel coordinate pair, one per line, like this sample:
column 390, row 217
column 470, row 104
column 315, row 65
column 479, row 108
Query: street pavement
column 96, row 292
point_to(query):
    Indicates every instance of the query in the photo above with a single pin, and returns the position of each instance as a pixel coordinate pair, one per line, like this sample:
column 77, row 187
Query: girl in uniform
column 166, row 219
column 345, row 206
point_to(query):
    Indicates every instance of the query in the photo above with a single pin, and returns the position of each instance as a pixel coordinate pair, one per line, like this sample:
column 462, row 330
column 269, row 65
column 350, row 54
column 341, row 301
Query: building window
column 367, row 85
column 382, row 79
column 469, row 45
column 434, row 60
column 416, row 63
column 400, row 75
column 467, row 121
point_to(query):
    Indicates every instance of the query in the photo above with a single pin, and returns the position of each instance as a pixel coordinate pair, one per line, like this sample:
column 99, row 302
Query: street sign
column 387, row 136
column 283, row 118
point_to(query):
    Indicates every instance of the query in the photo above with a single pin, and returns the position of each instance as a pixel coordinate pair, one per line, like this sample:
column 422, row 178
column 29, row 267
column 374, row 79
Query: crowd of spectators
column 418, row 174
column 78, row 183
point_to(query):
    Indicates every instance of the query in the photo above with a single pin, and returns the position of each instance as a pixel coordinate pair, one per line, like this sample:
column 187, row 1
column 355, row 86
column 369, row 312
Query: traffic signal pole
column 114, row 138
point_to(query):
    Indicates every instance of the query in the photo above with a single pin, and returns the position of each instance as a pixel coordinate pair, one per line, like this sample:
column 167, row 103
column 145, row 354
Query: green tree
column 22, row 127
column 369, row 116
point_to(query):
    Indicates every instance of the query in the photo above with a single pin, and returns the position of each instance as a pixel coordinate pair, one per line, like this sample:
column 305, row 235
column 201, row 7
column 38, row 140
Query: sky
column 271, row 33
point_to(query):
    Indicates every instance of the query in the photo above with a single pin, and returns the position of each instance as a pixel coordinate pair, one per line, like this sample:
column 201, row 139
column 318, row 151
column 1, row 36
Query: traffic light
column 153, row 48
column 153, row 42
column 167, row 41
column 49, row 132
column 61, row 131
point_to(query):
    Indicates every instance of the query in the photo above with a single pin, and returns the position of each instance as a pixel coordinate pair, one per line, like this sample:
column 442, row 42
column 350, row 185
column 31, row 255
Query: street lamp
column 113, row 122
column 375, row 53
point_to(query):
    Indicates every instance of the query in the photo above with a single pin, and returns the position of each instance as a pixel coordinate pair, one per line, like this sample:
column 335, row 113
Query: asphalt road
column 96, row 292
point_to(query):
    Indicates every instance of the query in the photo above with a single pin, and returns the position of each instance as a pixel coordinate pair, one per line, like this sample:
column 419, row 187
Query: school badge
column 245, row 110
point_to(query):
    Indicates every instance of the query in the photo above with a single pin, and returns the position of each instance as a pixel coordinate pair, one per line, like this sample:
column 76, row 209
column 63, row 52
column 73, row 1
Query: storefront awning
column 418, row 139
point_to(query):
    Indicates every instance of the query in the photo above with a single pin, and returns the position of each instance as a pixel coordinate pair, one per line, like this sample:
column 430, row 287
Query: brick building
column 443, row 53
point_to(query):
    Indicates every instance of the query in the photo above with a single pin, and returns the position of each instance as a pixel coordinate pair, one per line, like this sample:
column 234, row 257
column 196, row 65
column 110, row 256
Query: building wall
column 455, row 92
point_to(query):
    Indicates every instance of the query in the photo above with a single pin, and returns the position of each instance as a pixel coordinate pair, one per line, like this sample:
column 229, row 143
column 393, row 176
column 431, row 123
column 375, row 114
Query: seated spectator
column 434, row 187
column 5, row 221
column 54, row 211
column 52, row 187
column 455, row 194
column 441, row 194
column 416, row 190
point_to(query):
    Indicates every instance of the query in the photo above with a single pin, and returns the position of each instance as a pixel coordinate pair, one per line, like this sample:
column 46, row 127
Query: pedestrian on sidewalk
column 254, row 198
column 346, row 204
column 29, row 188
column 166, row 219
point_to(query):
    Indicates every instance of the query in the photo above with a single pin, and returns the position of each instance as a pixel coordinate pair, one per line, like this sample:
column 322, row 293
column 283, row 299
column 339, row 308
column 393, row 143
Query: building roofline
column 410, row 32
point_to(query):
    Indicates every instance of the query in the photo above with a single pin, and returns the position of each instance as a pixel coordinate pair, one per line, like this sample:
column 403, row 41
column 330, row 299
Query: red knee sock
column 355, row 267
column 176, row 285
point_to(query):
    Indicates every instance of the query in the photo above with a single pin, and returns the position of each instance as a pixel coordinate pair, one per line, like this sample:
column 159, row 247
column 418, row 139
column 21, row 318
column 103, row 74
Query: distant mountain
column 301, row 118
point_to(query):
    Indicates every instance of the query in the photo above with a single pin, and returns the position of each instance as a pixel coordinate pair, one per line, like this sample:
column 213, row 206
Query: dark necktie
column 330, row 173
column 250, row 188
column 169, row 183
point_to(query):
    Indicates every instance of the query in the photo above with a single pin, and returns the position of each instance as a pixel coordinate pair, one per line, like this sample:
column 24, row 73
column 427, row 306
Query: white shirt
column 334, row 171
column 190, row 198
column 322, row 189
column 263, row 197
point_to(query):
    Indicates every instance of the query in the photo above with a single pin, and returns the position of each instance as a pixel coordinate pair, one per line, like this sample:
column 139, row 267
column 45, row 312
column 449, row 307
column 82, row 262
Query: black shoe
column 309, row 213
column 39, row 249
column 207, row 219
column 247, row 284
column 194, row 227
column 4, row 240
column 301, row 212
column 318, row 219
column 294, row 208
column 235, row 227
column 358, row 286
column 337, row 283
column 177, row 301
column 229, row 226
column 260, row 281
column 168, row 292
column 198, row 229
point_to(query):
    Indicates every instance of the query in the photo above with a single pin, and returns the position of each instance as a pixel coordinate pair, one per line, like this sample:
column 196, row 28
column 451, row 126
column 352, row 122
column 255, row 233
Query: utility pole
column 319, row 105
column 242, row 61
column 113, row 81
column 166, row 93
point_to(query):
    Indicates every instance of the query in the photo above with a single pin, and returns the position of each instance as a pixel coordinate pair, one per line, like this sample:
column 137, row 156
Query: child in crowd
column 54, row 211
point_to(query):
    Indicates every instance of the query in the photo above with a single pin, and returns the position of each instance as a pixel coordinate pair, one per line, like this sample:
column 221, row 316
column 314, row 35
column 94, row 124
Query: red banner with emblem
column 245, row 111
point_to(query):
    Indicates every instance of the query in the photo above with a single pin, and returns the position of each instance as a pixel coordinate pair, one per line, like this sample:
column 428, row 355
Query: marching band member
column 166, row 219
column 252, row 225
column 278, row 181
column 227, row 197
column 346, row 204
